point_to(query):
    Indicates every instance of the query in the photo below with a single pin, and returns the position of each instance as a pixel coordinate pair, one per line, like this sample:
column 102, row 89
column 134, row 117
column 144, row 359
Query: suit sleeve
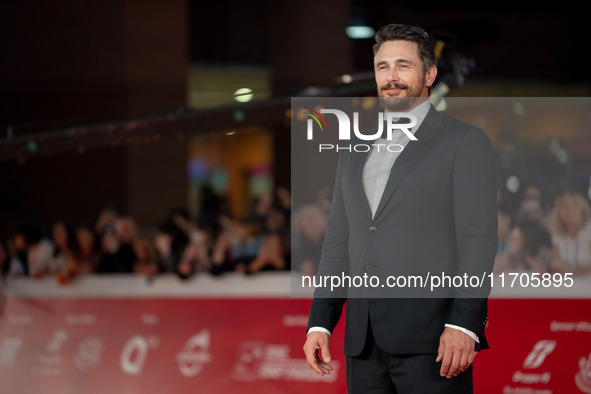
column 327, row 305
column 475, row 219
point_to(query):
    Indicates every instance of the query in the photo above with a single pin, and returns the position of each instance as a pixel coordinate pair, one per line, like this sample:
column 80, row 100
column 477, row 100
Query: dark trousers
column 377, row 372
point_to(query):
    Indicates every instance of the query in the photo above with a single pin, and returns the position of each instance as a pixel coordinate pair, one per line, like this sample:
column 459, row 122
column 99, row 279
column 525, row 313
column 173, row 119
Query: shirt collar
column 420, row 112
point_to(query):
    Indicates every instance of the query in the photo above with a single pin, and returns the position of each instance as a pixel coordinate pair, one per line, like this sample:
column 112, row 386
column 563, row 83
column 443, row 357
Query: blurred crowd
column 214, row 242
column 544, row 237
column 534, row 235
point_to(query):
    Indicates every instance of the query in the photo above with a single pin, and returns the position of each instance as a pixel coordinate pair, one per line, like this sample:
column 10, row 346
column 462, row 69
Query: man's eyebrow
column 380, row 63
column 404, row 61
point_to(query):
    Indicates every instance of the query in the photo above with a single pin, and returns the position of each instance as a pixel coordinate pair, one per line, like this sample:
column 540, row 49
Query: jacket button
column 373, row 229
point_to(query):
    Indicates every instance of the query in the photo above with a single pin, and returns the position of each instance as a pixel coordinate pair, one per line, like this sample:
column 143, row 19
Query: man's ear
column 430, row 76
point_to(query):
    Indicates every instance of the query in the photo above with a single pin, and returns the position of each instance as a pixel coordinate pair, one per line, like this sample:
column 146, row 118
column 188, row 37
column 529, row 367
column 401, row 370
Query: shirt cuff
column 462, row 329
column 324, row 330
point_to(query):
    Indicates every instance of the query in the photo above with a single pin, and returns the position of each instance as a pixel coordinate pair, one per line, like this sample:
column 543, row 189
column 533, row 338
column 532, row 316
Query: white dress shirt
column 375, row 177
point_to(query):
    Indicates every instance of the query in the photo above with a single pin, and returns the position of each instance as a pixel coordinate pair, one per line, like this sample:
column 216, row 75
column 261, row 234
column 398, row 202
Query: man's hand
column 456, row 350
column 317, row 343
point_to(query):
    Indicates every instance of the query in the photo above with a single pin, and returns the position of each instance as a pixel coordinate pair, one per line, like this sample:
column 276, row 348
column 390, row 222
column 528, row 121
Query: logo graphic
column 248, row 360
column 9, row 348
column 49, row 362
column 56, row 341
column 539, row 352
column 89, row 353
column 315, row 115
column 134, row 353
column 194, row 354
column 82, row 318
column 533, row 360
column 295, row 320
column 388, row 125
column 583, row 377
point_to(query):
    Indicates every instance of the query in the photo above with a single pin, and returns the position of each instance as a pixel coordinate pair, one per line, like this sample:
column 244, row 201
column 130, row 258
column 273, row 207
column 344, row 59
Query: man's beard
column 403, row 103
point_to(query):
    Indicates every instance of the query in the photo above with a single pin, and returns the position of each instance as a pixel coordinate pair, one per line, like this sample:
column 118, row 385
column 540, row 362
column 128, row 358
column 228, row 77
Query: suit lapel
column 426, row 135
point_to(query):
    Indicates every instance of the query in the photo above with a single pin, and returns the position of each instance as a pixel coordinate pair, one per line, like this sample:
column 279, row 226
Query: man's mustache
column 396, row 85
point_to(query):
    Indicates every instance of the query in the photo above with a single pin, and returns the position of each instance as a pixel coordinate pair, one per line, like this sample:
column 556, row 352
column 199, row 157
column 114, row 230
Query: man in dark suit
column 430, row 208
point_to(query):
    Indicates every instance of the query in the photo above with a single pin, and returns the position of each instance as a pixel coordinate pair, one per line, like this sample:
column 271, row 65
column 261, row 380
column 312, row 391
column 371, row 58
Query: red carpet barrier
column 244, row 335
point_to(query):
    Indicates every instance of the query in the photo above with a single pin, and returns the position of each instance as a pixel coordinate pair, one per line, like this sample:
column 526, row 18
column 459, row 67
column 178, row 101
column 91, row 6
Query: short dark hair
column 396, row 31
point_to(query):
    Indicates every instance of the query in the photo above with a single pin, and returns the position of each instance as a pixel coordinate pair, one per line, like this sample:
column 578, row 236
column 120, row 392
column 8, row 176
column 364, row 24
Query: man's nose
column 392, row 74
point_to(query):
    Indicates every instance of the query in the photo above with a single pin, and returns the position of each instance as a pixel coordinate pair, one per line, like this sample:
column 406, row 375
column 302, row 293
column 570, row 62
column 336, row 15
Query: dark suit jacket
column 438, row 212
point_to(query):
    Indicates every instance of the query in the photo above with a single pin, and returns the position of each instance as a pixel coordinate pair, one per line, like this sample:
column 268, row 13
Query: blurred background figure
column 180, row 217
column 65, row 264
column 308, row 237
column 220, row 254
column 529, row 248
column 106, row 220
column 88, row 250
column 271, row 256
column 117, row 246
column 213, row 208
column 531, row 191
column 525, row 244
column 32, row 252
column 170, row 242
column 275, row 251
column 4, row 261
column 4, row 272
column 246, row 243
column 126, row 233
column 19, row 262
column 273, row 209
column 505, row 223
column 108, row 248
column 570, row 224
column 195, row 257
column 531, row 208
column 146, row 257
column 237, row 246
